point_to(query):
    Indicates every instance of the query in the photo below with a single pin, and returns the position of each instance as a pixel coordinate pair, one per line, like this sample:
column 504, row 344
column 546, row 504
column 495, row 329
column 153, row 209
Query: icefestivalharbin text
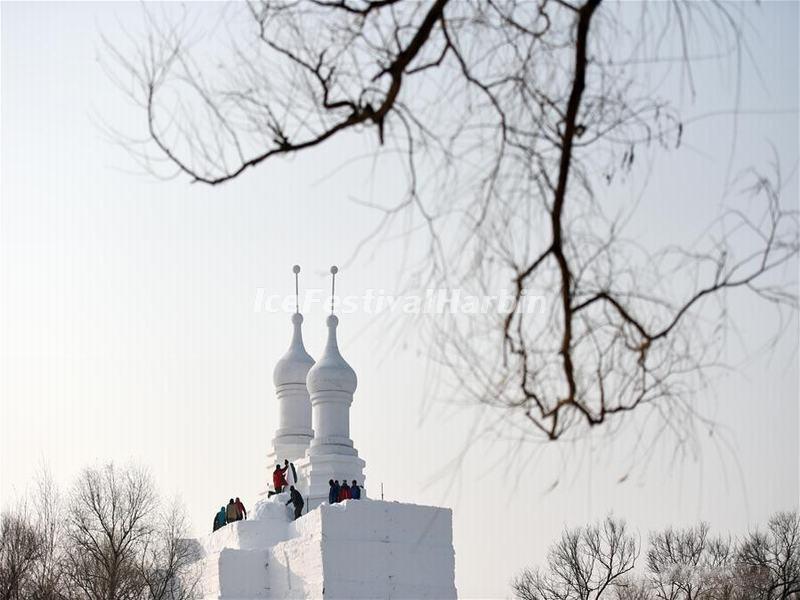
column 431, row 301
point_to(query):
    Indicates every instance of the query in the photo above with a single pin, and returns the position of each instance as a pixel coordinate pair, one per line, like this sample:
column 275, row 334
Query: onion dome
column 294, row 365
column 331, row 373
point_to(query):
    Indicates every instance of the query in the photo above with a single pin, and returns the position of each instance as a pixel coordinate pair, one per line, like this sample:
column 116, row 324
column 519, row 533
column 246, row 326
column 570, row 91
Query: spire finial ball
column 296, row 269
column 334, row 269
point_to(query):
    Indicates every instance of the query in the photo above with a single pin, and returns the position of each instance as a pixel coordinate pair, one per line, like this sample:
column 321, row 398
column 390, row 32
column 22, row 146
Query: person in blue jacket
column 333, row 493
column 220, row 519
column 355, row 491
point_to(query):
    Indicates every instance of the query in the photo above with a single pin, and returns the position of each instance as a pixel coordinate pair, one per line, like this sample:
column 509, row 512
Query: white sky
column 128, row 328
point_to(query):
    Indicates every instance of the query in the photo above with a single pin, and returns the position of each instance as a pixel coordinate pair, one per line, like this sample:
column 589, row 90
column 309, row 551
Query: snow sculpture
column 350, row 550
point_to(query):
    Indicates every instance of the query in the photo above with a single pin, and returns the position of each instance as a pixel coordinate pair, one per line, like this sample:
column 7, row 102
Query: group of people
column 283, row 480
column 340, row 493
column 235, row 511
column 284, row 477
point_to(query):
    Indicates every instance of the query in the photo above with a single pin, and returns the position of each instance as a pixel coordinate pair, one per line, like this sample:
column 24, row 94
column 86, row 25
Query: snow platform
column 357, row 549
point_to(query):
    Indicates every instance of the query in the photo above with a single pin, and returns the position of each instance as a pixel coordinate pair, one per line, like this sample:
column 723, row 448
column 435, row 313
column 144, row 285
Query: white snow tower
column 294, row 432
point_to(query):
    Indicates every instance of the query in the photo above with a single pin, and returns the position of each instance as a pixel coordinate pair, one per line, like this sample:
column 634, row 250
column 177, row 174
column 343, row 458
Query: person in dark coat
column 336, row 487
column 297, row 500
column 240, row 509
column 355, row 491
column 344, row 492
column 333, row 495
column 230, row 512
column 220, row 519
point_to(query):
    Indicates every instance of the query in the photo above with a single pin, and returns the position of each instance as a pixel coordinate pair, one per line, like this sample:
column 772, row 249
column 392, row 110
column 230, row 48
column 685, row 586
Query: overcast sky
column 129, row 329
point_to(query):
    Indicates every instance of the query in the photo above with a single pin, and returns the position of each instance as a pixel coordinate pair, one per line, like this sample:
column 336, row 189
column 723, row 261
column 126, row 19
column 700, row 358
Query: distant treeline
column 601, row 561
column 109, row 538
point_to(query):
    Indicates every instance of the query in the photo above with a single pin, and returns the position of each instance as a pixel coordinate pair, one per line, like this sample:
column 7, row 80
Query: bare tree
column 509, row 118
column 771, row 559
column 587, row 563
column 689, row 564
column 168, row 563
column 48, row 570
column 121, row 546
column 109, row 520
column 32, row 546
column 21, row 547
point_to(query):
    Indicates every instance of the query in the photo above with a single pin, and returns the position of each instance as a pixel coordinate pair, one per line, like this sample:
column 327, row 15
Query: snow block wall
column 387, row 550
column 358, row 549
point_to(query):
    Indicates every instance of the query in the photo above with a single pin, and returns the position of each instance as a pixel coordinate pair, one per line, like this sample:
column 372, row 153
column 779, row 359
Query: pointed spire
column 294, row 365
column 331, row 372
column 296, row 271
column 334, row 271
column 332, row 344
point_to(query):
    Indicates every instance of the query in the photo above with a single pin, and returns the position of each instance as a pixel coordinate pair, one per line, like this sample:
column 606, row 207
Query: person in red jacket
column 344, row 492
column 278, row 479
column 241, row 509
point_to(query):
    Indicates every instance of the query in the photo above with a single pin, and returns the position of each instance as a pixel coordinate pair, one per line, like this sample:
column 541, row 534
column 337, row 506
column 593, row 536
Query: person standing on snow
column 337, row 489
column 344, row 492
column 297, row 500
column 241, row 510
column 278, row 479
column 230, row 512
column 333, row 494
column 290, row 472
column 220, row 519
column 355, row 491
